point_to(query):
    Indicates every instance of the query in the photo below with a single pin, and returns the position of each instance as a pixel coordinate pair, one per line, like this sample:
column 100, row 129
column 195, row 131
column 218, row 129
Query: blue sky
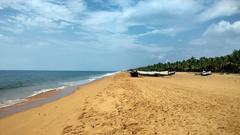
column 114, row 34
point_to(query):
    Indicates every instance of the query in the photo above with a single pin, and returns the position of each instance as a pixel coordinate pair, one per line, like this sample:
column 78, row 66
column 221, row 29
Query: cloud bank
column 116, row 34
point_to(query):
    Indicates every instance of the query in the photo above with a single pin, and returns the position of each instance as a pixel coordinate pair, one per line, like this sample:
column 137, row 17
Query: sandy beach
column 119, row 104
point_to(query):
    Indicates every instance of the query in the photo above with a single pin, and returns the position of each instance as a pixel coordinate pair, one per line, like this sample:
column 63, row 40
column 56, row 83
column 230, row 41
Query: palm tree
column 228, row 63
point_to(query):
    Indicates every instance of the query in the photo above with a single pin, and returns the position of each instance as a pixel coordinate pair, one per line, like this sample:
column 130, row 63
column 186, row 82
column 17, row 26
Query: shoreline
column 119, row 104
column 45, row 97
column 36, row 100
column 54, row 94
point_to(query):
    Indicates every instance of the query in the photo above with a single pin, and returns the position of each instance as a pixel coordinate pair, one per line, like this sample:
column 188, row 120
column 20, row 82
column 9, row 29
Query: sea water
column 16, row 86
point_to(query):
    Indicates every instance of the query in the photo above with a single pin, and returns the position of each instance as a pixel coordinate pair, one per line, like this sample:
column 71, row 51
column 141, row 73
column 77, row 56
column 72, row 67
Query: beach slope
column 180, row 104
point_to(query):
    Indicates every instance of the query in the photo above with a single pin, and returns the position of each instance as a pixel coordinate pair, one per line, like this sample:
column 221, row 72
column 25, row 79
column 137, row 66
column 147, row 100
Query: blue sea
column 16, row 86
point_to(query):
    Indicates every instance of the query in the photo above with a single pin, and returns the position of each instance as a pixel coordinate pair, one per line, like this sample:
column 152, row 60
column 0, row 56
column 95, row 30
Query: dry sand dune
column 180, row 104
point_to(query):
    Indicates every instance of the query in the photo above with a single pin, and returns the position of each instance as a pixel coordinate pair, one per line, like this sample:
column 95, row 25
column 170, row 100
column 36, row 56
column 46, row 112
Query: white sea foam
column 101, row 76
column 66, row 84
column 15, row 101
column 75, row 83
column 11, row 102
column 46, row 90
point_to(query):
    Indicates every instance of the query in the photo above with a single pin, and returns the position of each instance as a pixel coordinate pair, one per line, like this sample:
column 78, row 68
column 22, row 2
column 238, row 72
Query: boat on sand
column 135, row 73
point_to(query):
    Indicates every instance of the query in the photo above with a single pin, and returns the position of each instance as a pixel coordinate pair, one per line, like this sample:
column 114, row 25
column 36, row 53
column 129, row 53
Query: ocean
column 16, row 86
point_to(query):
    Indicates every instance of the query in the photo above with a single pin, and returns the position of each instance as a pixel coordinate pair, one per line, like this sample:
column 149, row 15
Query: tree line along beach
column 184, row 103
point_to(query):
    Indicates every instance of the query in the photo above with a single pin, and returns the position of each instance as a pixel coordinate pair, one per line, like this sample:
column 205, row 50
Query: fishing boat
column 205, row 73
column 135, row 73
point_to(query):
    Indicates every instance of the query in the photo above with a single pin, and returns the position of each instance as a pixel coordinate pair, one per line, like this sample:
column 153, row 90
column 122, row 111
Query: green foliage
column 229, row 63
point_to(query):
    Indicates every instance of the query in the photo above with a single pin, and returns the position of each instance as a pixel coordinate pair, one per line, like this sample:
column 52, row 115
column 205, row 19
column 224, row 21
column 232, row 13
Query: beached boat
column 135, row 73
column 171, row 73
column 205, row 73
column 153, row 73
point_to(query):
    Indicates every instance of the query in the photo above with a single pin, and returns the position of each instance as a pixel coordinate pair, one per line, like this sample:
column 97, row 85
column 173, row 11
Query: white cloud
column 76, row 6
column 103, row 21
column 219, row 9
column 152, row 13
column 123, row 3
column 165, row 31
column 221, row 34
column 218, row 39
column 43, row 13
column 3, row 37
column 114, row 3
column 155, row 12
column 223, row 27
column 171, row 16
column 108, row 26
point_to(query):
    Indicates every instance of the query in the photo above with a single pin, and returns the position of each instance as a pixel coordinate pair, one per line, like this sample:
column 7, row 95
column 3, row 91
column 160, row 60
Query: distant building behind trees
column 229, row 64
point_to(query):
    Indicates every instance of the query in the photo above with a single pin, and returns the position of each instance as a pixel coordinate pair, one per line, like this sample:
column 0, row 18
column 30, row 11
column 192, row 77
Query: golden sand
column 180, row 104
